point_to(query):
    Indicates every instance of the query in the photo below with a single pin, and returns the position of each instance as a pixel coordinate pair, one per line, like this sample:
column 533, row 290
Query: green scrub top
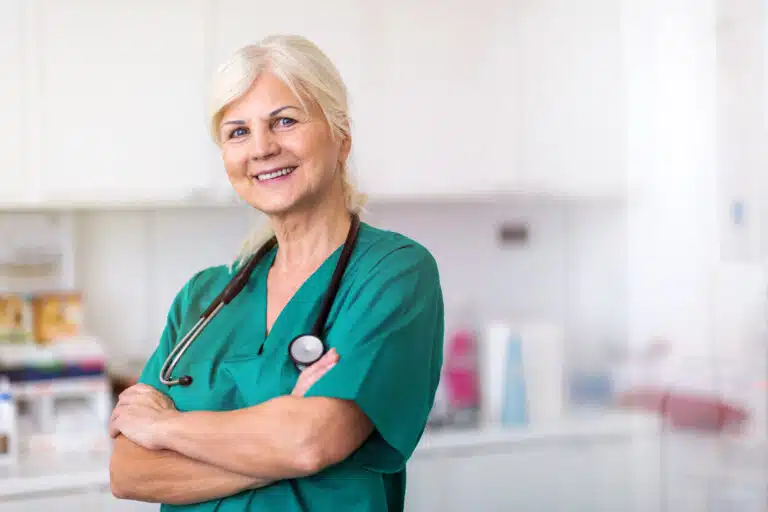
column 387, row 326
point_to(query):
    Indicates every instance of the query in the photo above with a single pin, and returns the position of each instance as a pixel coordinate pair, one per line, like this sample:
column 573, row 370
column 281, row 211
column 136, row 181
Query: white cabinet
column 73, row 500
column 15, row 179
column 105, row 102
column 121, row 99
column 593, row 465
column 510, row 478
column 434, row 119
column 334, row 25
column 570, row 69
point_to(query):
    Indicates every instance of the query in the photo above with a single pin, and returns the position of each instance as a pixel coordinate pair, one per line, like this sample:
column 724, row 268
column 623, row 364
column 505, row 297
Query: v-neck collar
column 325, row 270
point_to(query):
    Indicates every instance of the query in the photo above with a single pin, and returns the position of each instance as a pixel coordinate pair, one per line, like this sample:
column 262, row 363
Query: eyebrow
column 240, row 122
column 277, row 111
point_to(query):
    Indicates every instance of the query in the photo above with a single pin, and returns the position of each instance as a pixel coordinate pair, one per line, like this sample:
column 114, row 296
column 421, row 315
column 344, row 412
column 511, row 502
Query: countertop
column 73, row 471
column 52, row 473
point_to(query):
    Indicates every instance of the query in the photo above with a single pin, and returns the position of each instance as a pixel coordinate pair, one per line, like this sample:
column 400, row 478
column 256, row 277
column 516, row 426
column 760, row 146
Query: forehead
column 266, row 94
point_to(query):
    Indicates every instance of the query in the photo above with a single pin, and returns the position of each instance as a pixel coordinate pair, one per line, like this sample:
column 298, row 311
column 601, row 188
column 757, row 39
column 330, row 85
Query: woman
column 251, row 432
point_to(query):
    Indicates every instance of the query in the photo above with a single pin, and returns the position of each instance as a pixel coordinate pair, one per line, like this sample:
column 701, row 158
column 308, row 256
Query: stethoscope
column 304, row 349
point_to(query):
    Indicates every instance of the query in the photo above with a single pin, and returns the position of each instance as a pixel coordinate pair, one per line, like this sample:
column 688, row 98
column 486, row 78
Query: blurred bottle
column 8, row 426
column 460, row 369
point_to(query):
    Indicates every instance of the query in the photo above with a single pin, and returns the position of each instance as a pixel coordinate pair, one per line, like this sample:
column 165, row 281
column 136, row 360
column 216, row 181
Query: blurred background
column 589, row 174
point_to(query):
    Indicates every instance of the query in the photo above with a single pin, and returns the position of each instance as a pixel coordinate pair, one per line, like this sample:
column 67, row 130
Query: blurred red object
column 686, row 410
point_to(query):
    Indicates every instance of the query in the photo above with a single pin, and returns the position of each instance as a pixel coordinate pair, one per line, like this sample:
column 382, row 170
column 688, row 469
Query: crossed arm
column 165, row 456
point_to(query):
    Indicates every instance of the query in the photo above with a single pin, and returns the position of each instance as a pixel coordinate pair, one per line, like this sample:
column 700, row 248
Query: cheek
column 318, row 151
column 235, row 161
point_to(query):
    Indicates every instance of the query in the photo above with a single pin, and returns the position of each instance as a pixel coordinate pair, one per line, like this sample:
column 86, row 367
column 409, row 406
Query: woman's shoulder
column 393, row 252
column 203, row 285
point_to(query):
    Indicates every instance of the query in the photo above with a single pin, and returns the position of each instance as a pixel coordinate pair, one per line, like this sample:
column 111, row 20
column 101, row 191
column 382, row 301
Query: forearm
column 171, row 478
column 271, row 440
column 286, row 437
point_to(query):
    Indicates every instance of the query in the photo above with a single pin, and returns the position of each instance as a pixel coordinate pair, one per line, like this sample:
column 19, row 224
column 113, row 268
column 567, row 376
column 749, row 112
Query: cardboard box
column 16, row 319
column 57, row 316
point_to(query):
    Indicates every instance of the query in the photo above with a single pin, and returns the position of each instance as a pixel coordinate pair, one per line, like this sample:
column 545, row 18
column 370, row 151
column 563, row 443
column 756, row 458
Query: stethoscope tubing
column 179, row 350
column 231, row 291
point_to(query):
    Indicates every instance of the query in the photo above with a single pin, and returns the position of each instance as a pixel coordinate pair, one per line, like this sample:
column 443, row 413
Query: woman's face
column 278, row 158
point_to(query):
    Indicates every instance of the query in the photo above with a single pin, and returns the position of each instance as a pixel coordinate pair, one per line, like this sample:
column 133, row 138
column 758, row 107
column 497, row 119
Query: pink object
column 686, row 410
column 461, row 370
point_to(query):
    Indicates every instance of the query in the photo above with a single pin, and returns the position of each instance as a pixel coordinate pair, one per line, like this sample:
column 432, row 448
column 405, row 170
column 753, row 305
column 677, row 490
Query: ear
column 345, row 148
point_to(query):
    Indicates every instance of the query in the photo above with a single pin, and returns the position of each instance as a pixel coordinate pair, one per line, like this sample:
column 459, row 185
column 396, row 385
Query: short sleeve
column 390, row 343
column 150, row 374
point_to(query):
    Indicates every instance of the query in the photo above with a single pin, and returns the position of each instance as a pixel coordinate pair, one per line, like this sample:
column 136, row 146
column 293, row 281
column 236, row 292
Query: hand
column 139, row 415
column 312, row 374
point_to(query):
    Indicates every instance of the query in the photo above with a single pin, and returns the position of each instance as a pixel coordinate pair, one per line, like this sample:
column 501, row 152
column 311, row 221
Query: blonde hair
column 311, row 76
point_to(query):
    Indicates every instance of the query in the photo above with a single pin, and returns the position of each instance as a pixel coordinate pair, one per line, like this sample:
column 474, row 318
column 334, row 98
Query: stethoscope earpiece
column 186, row 380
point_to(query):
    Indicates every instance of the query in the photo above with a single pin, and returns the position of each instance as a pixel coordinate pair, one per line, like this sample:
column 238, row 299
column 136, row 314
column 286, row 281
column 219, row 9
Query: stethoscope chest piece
column 306, row 350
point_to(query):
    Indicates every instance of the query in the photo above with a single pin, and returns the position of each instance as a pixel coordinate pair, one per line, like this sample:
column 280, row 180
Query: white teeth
column 275, row 174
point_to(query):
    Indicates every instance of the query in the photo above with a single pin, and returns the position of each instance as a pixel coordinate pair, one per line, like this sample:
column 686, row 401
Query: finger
column 114, row 431
column 309, row 373
column 308, row 380
column 329, row 358
column 312, row 379
column 137, row 390
column 140, row 398
column 321, row 365
column 305, row 385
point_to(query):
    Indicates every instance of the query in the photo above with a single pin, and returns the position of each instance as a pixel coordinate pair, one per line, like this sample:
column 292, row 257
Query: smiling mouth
column 279, row 173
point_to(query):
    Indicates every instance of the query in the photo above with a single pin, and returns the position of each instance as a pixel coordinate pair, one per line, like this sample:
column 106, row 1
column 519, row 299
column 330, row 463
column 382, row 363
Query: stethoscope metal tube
column 178, row 351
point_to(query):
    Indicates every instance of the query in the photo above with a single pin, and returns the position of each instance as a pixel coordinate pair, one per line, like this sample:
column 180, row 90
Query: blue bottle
column 515, row 409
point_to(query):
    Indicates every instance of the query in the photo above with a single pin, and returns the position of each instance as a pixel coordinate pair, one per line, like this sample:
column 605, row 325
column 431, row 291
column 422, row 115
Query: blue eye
column 285, row 122
column 238, row 132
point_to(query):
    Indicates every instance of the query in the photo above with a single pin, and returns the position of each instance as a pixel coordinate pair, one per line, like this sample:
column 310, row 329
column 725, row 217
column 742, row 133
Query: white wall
column 573, row 269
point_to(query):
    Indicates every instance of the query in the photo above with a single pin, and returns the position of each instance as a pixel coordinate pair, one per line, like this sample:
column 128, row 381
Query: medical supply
column 57, row 316
column 494, row 367
column 544, row 369
column 16, row 324
column 515, row 408
column 9, row 441
column 304, row 349
column 461, row 375
column 63, row 415
column 523, row 375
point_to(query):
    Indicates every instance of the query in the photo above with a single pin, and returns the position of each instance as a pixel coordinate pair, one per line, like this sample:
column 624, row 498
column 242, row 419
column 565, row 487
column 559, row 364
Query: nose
column 263, row 145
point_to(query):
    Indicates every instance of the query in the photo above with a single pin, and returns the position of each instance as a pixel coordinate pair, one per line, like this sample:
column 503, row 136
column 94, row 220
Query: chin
column 274, row 205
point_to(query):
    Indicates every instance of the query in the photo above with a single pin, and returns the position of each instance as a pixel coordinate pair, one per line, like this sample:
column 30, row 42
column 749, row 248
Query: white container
column 9, row 439
column 64, row 415
column 544, row 367
column 493, row 362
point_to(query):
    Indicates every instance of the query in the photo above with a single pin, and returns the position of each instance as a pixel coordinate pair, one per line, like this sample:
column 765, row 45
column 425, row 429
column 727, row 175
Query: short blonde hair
column 312, row 77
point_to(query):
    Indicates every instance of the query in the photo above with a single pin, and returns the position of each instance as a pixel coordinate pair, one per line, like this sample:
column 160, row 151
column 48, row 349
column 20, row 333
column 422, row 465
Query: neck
column 306, row 239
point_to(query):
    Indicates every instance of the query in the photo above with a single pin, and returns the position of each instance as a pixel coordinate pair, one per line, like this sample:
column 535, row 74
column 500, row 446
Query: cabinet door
column 428, row 484
column 15, row 177
column 334, row 25
column 572, row 95
column 435, row 119
column 122, row 99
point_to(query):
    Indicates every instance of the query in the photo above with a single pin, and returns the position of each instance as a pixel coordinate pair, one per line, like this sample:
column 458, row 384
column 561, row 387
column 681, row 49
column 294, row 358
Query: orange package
column 57, row 316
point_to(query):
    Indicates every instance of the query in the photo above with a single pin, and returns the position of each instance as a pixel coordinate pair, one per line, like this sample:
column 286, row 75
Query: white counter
column 587, row 427
column 60, row 473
